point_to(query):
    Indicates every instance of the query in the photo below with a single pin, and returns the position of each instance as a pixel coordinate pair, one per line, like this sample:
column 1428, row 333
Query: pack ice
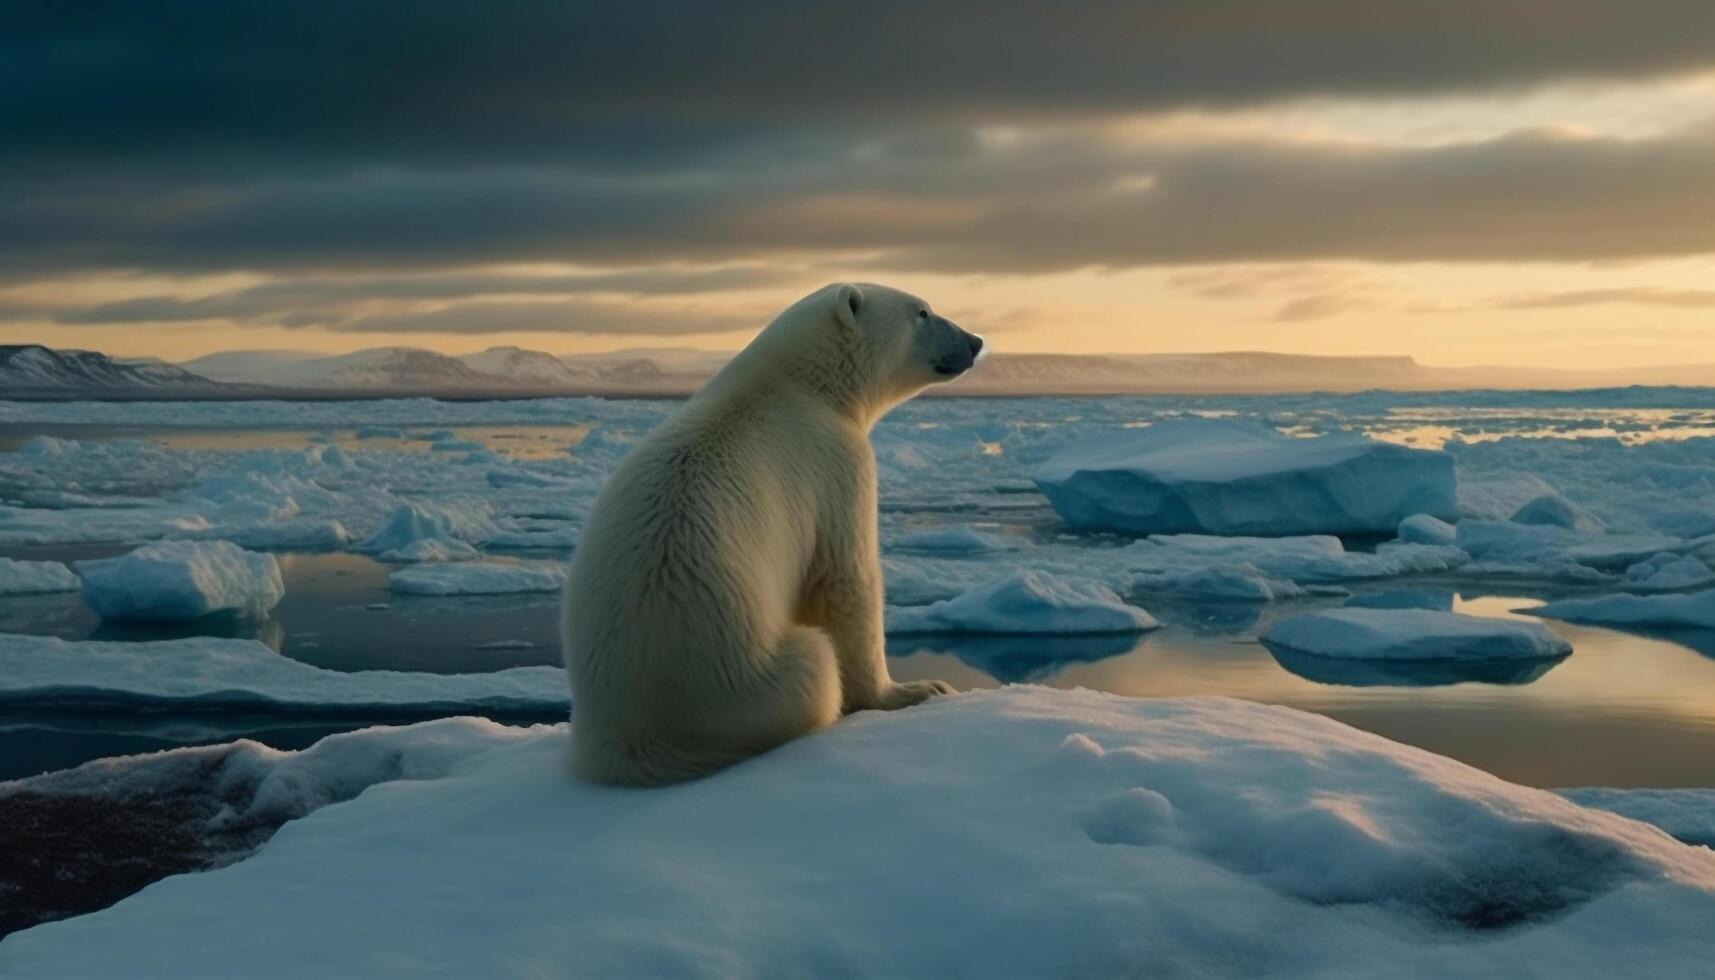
column 1015, row 833
column 182, row 580
column 1215, row 476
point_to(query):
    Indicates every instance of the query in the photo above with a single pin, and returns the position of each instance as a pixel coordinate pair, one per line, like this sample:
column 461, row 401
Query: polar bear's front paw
column 912, row 692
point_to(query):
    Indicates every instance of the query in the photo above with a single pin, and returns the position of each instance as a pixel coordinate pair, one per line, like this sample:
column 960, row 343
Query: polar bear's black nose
column 976, row 344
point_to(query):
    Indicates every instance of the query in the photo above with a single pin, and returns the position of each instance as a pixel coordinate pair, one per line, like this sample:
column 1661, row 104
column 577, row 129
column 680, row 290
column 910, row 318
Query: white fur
column 726, row 593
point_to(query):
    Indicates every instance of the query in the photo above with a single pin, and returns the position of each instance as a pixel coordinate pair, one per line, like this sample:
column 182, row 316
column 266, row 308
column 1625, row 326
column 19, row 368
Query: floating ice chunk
column 48, row 446
column 1669, row 571
column 431, row 549
column 456, row 446
column 1696, row 609
column 1687, row 814
column 604, row 443
column 1222, row 477
column 297, row 534
column 478, row 578
column 35, row 577
column 1414, row 634
column 1305, row 559
column 1426, row 529
column 182, row 580
column 954, row 538
column 422, row 521
column 1550, row 509
column 1503, row 547
column 1025, row 602
column 1063, row 832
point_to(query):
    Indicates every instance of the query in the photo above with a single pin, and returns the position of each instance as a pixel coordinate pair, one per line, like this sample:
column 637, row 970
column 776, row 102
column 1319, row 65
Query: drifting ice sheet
column 1220, row 477
column 207, row 671
column 1414, row 634
column 1019, row 833
column 182, row 580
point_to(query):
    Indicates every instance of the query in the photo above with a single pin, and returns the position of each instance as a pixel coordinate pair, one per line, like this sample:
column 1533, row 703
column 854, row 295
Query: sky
column 1466, row 181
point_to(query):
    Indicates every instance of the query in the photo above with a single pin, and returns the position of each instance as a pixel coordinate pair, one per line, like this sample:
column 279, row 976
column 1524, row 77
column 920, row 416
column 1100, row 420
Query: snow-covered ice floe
column 1695, row 610
column 478, row 578
column 1414, row 634
column 1223, row 477
column 1015, row 833
column 35, row 577
column 216, row 672
column 1025, row 602
column 182, row 580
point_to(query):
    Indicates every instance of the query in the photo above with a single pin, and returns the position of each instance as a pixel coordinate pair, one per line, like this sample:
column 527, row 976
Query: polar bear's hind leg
column 794, row 690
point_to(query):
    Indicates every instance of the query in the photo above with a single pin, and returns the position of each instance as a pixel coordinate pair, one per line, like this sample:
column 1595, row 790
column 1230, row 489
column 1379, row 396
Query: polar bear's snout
column 960, row 348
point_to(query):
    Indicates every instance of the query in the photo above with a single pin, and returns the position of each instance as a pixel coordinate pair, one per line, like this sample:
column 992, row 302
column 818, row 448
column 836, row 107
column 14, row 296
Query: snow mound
column 1022, row 832
column 1414, row 634
column 182, row 580
column 1695, row 610
column 209, row 672
column 1242, row 582
column 478, row 578
column 1668, row 571
column 1025, row 602
column 1222, row 477
column 1549, row 552
column 35, row 577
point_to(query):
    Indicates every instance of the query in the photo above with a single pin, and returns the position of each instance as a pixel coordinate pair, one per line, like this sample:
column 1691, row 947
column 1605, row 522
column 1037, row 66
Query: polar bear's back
column 707, row 507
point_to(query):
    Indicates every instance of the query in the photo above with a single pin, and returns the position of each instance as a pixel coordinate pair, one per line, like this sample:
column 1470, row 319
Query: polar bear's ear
column 848, row 300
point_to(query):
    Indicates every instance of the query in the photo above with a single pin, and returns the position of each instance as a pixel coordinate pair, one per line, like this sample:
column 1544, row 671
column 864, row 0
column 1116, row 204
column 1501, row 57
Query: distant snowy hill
column 524, row 366
column 34, row 370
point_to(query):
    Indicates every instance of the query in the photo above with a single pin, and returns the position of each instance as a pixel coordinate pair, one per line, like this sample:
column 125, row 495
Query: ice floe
column 210, row 672
column 1224, row 477
column 1025, row 602
column 35, row 577
column 1022, row 832
column 1695, row 610
column 1414, row 634
column 182, row 580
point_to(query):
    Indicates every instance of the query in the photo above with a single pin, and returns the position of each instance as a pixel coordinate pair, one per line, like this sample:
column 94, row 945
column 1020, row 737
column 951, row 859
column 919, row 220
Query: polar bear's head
column 911, row 345
column 865, row 346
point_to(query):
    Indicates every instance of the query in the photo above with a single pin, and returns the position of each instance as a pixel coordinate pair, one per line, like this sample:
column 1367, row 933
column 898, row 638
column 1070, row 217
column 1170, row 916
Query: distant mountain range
column 31, row 370
column 34, row 371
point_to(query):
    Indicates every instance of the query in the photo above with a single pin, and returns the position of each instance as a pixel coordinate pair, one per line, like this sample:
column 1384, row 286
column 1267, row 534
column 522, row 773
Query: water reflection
column 1019, row 659
column 1346, row 672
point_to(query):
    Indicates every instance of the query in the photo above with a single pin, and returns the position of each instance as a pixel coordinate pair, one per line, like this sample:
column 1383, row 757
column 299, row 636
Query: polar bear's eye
column 922, row 314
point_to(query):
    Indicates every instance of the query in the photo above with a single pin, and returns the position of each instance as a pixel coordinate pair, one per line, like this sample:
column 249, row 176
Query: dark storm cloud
column 515, row 79
column 315, row 139
column 294, row 298
column 1045, row 206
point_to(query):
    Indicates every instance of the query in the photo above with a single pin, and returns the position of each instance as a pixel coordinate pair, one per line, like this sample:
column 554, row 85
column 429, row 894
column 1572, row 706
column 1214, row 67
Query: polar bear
column 726, row 593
